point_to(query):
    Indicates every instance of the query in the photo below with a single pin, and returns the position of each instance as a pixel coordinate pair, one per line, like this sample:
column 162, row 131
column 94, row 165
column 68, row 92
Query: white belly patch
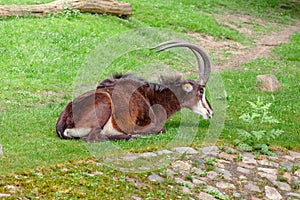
column 108, row 129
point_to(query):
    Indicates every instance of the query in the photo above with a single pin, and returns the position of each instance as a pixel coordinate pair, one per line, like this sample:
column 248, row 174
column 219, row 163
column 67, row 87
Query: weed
column 257, row 140
column 217, row 194
column 210, row 164
column 282, row 179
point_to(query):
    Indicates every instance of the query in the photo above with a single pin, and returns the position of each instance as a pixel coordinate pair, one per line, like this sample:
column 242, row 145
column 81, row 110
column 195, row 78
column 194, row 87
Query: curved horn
column 198, row 52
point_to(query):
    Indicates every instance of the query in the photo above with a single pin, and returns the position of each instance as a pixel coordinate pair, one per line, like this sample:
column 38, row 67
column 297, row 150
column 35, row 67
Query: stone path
column 227, row 173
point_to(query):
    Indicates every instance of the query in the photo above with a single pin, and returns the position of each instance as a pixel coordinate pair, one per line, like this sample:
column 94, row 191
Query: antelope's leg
column 96, row 136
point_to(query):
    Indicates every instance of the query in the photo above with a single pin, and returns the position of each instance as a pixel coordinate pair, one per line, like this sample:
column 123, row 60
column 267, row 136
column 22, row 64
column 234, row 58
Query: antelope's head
column 191, row 93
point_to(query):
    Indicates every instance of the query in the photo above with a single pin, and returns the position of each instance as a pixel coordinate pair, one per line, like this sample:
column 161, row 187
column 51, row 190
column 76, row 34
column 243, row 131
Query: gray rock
column 293, row 194
column 252, row 187
column 186, row 150
column 1, row 150
column 198, row 182
column 210, row 150
column 282, row 186
column 186, row 190
column 237, row 195
column 248, row 155
column 147, row 155
column 294, row 154
column 227, row 156
column 230, row 150
column 267, row 83
column 205, row 196
column 181, row 166
column 272, row 193
column 136, row 198
column 156, row 178
column 212, row 175
column 268, row 163
column 297, row 173
column 287, row 164
column 270, row 177
column 225, row 185
column 243, row 170
column 267, row 170
column 130, row 157
column 4, row 195
column 250, row 161
column 162, row 152
column 184, row 183
column 227, row 175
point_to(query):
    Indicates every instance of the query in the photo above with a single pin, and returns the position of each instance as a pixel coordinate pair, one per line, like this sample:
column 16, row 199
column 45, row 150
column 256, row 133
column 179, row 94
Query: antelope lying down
column 123, row 106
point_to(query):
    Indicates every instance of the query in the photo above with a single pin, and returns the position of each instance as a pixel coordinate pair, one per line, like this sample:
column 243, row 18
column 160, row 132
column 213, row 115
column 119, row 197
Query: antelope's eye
column 201, row 90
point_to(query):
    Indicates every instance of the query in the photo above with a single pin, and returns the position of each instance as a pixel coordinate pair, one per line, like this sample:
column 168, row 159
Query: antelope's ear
column 187, row 87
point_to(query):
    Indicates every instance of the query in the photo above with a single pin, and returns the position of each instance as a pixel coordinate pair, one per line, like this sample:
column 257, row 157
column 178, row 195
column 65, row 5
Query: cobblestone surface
column 229, row 173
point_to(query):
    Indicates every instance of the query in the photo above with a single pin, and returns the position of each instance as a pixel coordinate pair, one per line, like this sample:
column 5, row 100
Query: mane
column 170, row 79
column 158, row 87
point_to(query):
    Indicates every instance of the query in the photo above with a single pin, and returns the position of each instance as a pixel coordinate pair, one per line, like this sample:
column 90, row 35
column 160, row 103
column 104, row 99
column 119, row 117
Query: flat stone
column 283, row 186
column 162, row 152
column 136, row 198
column 185, row 150
column 210, row 150
column 225, row 185
column 250, row 161
column 4, row 195
column 297, row 173
column 237, row 195
column 295, row 154
column 249, row 155
column 130, row 158
column 246, row 165
column 288, row 176
column 270, row 177
column 226, row 156
column 243, row 170
column 272, row 193
column 156, row 178
column 205, row 196
column 268, row 163
column 1, row 150
column 252, row 187
column 181, row 166
column 147, row 155
column 293, row 194
column 183, row 182
column 290, row 158
column 170, row 173
column 230, row 150
column 267, row 170
column 198, row 182
column 212, row 175
column 227, row 175
column 186, row 190
column 287, row 164
column 242, row 177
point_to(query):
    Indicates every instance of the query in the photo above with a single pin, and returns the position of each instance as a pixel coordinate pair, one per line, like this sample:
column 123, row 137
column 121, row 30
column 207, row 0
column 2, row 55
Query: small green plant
column 217, row 194
column 70, row 13
column 257, row 140
column 210, row 164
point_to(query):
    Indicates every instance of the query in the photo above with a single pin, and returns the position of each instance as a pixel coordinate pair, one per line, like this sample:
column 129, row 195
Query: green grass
column 41, row 59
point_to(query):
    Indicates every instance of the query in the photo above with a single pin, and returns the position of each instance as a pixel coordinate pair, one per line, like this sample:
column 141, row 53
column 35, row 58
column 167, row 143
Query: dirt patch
column 229, row 54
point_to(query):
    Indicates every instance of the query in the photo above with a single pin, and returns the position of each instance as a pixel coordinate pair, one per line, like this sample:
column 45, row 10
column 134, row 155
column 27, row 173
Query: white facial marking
column 203, row 108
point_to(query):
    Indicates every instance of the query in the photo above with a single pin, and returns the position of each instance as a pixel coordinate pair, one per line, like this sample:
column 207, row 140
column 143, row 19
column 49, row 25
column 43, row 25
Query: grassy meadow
column 41, row 59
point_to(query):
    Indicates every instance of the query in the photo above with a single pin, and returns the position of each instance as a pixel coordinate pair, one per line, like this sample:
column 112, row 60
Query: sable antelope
column 123, row 106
